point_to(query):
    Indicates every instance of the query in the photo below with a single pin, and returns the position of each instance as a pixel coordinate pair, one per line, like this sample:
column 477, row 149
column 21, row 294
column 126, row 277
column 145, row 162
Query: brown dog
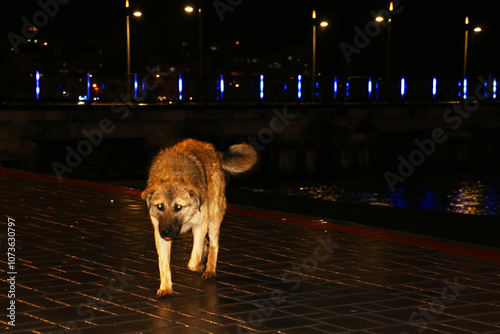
column 186, row 191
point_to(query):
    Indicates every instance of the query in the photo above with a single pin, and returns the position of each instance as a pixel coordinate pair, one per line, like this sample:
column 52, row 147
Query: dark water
column 465, row 194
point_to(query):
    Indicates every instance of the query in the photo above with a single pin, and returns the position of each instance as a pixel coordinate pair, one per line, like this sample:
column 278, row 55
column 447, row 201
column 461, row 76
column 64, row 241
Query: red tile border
column 459, row 249
column 411, row 240
column 71, row 182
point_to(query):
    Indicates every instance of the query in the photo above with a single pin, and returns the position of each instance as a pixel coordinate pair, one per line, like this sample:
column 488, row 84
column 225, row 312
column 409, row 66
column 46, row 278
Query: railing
column 175, row 88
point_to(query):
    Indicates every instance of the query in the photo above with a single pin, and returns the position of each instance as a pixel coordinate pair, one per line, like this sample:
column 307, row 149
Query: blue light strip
column 403, row 87
column 180, row 87
column 261, row 86
column 369, row 88
column 299, row 87
column 221, row 87
column 465, row 88
column 88, row 86
column 37, row 85
column 434, row 87
column 335, row 88
column 136, row 86
column 372, row 86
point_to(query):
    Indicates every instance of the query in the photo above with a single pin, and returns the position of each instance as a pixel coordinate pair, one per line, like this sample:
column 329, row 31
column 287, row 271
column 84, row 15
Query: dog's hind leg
column 163, row 248
column 215, row 215
column 213, row 250
column 206, row 244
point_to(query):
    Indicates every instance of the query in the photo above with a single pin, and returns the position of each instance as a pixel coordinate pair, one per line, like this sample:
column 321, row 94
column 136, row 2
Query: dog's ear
column 147, row 194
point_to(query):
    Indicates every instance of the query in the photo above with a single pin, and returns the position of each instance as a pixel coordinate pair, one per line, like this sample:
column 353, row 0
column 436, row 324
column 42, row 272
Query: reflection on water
column 466, row 196
column 475, row 198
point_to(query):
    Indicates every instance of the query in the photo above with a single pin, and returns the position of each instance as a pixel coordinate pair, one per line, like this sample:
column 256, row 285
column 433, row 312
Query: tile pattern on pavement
column 85, row 262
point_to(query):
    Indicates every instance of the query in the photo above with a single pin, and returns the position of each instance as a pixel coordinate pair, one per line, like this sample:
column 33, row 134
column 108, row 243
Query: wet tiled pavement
column 85, row 262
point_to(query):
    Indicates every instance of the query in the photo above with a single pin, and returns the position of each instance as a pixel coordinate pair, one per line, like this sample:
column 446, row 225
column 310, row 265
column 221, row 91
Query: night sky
column 427, row 36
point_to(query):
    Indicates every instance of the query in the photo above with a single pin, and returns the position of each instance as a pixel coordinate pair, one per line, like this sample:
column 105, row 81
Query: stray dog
column 186, row 191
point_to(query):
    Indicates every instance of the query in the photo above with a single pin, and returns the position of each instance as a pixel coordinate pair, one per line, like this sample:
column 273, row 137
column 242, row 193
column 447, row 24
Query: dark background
column 427, row 36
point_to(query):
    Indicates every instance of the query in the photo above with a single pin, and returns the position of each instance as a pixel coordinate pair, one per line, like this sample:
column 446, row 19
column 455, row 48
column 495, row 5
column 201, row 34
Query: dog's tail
column 239, row 158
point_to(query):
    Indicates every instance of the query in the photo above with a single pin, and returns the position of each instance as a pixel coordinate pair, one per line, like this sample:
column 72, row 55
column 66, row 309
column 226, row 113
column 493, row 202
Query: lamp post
column 322, row 24
column 136, row 14
column 389, row 33
column 381, row 19
column 190, row 9
column 466, row 46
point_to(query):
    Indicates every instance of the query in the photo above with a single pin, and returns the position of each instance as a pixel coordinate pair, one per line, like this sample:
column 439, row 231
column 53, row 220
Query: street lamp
column 380, row 19
column 189, row 10
column 322, row 24
column 136, row 14
column 466, row 46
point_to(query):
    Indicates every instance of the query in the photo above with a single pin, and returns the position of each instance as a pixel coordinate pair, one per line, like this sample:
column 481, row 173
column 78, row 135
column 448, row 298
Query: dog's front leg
column 195, row 263
column 163, row 248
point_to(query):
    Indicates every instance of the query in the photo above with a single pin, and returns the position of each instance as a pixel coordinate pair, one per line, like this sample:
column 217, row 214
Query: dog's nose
column 165, row 233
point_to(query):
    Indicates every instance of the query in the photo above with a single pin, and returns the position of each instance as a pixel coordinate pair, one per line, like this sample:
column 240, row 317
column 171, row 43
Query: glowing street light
column 322, row 24
column 466, row 46
column 189, row 10
column 380, row 19
column 136, row 14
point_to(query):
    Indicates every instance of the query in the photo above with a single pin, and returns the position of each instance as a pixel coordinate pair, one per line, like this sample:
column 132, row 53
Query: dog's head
column 171, row 206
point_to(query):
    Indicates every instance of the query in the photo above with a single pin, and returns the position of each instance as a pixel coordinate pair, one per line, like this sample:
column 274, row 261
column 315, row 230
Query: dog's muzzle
column 168, row 232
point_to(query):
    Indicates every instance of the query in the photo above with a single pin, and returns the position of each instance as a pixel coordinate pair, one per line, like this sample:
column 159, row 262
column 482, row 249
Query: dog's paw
column 199, row 268
column 164, row 294
column 208, row 275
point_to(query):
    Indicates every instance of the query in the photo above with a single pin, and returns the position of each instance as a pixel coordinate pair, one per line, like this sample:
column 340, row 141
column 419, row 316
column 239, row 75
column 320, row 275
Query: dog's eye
column 177, row 207
column 160, row 207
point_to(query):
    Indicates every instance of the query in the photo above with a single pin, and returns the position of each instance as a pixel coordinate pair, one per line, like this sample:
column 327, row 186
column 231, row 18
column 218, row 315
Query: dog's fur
column 186, row 191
